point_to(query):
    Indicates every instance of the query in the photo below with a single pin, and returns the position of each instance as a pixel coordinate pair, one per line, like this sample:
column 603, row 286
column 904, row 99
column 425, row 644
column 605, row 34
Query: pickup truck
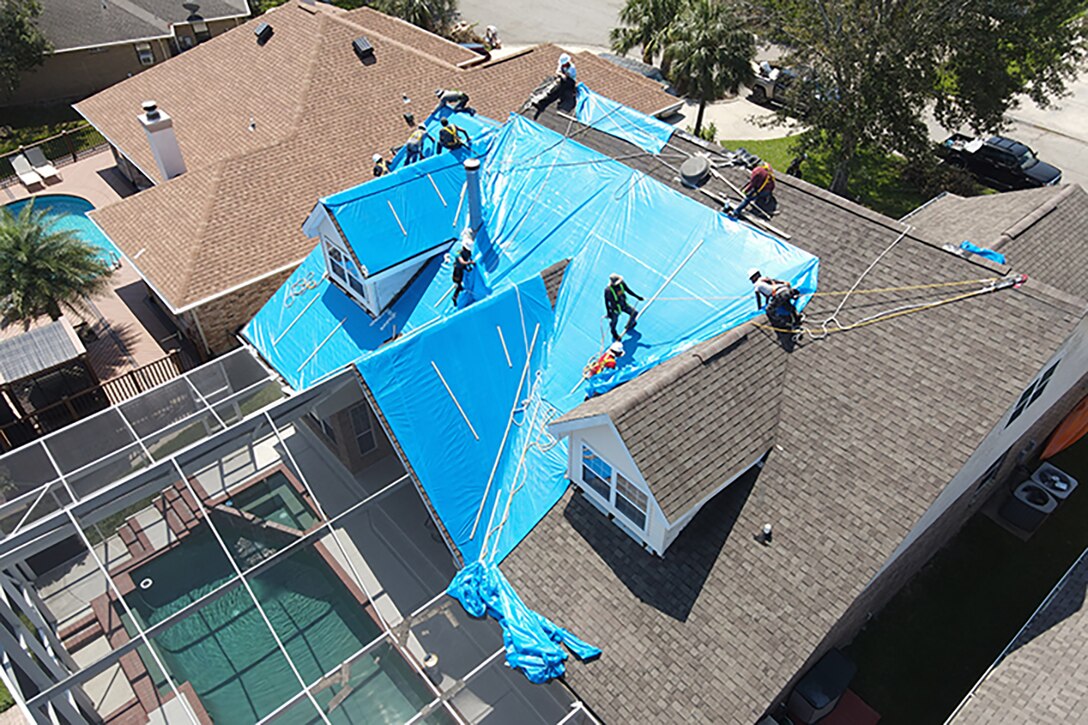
column 999, row 162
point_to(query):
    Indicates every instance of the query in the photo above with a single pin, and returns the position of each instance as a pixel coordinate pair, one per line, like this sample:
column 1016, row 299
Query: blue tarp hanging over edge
column 604, row 114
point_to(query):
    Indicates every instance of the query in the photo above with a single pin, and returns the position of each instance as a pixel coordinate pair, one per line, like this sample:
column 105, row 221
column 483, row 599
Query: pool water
column 275, row 499
column 226, row 651
column 72, row 211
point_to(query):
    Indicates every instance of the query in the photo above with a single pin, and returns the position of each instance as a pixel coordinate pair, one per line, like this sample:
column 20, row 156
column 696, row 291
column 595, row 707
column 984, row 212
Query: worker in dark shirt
column 449, row 136
column 779, row 298
column 381, row 168
column 760, row 188
column 454, row 100
column 615, row 302
column 462, row 263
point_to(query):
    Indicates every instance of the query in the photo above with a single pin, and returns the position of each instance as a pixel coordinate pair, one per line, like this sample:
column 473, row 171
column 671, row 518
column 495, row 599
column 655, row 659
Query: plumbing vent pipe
column 472, row 182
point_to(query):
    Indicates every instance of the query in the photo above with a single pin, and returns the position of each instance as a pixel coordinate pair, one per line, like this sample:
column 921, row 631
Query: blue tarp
column 989, row 254
column 450, row 384
column 604, row 114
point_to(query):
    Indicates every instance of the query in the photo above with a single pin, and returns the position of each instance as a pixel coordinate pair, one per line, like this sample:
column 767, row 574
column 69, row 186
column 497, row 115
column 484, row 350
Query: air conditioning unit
column 1057, row 482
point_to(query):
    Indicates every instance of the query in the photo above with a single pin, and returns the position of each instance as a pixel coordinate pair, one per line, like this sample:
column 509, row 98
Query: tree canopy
column 710, row 53
column 43, row 268
column 645, row 24
column 22, row 45
column 871, row 69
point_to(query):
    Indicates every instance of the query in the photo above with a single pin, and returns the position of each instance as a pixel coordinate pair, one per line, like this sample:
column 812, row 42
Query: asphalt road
column 1059, row 135
column 571, row 22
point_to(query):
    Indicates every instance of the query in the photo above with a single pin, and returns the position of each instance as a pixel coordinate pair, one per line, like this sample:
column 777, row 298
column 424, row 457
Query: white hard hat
column 564, row 59
column 438, row 92
column 615, row 278
column 616, row 348
column 753, row 272
column 377, row 158
column 468, row 239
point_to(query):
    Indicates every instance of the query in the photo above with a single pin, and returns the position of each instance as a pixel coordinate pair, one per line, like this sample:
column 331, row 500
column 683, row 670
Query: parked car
column 999, row 162
column 770, row 83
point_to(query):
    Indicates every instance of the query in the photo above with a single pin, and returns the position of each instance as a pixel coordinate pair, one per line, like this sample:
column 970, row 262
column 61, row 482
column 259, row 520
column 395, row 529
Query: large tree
column 710, row 53
column 22, row 45
column 43, row 268
column 871, row 69
column 436, row 16
column 645, row 24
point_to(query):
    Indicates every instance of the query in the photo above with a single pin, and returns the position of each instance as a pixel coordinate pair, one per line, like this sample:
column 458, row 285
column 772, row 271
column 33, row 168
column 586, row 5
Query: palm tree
column 646, row 24
column 711, row 53
column 436, row 16
column 43, row 268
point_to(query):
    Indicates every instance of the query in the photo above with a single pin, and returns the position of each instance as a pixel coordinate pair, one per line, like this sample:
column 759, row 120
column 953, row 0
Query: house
column 265, row 127
column 864, row 448
column 97, row 44
column 1040, row 676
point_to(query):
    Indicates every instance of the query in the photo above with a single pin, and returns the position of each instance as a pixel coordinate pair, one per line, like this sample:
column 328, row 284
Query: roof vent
column 263, row 31
column 363, row 49
column 151, row 110
column 694, row 171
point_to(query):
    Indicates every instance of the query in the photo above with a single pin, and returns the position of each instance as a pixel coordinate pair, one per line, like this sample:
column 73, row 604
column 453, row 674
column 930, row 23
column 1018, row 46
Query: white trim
column 235, row 288
column 566, row 427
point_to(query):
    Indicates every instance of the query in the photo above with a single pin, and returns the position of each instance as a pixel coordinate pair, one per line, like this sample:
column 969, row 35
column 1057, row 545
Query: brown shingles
column 872, row 425
column 319, row 115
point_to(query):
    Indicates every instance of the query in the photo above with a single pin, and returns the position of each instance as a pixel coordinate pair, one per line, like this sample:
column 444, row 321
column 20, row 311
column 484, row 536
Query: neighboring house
column 97, row 43
column 264, row 129
column 1041, row 675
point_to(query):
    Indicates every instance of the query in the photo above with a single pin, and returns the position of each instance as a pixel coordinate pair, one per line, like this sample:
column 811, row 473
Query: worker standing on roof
column 381, row 168
column 463, row 263
column 615, row 302
column 760, row 188
column 491, row 38
column 414, row 146
column 778, row 297
column 456, row 101
column 449, row 136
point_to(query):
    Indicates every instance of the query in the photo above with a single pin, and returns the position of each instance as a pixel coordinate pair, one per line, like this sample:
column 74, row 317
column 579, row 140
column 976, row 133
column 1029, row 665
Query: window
column 630, row 502
column 596, row 473
column 364, row 429
column 336, row 263
column 143, row 52
column 1032, row 393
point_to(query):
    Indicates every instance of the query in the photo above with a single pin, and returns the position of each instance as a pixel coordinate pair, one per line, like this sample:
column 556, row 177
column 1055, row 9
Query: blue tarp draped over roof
column 449, row 385
column 604, row 114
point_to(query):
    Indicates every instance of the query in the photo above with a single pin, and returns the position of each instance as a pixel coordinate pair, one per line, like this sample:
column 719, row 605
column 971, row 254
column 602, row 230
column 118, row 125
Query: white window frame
column 614, row 495
column 350, row 281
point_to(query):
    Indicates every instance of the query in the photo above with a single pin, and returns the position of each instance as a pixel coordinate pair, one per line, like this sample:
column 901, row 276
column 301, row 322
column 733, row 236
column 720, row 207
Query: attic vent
column 363, row 49
column 263, row 31
column 694, row 171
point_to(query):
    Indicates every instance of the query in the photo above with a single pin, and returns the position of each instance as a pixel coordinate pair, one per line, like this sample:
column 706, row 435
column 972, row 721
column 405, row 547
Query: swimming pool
column 231, row 659
column 72, row 211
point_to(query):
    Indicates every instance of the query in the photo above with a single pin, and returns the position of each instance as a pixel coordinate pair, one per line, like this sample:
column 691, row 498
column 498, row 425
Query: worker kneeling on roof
column 607, row 360
column 615, row 302
column 449, row 136
column 413, row 148
column 456, row 101
column 760, row 189
column 779, row 297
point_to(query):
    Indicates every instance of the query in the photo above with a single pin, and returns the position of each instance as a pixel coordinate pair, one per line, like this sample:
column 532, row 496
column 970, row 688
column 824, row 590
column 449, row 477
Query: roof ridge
column 205, row 218
column 1036, row 214
column 349, row 20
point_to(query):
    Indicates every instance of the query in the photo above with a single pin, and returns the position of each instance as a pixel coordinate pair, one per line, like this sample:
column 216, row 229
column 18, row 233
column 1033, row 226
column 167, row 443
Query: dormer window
column 596, row 473
column 343, row 270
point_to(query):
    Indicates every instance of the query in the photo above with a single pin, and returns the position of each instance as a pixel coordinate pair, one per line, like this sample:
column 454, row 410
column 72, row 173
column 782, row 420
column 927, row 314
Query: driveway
column 566, row 22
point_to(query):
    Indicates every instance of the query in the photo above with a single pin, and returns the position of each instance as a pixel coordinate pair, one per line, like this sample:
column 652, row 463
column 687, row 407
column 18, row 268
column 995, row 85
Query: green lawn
column 929, row 646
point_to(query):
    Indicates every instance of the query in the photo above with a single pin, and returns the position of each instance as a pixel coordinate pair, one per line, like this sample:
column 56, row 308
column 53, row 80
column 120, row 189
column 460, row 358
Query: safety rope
column 872, row 291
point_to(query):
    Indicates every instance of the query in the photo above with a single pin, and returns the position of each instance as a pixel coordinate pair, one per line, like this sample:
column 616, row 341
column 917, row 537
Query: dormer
column 377, row 236
column 649, row 454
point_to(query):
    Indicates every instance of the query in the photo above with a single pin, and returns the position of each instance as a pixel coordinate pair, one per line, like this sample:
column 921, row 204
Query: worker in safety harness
column 615, row 302
column 414, row 146
column 454, row 100
column 779, row 297
column 463, row 263
column 563, row 86
column 760, row 188
column 449, row 136
column 381, row 168
column 607, row 360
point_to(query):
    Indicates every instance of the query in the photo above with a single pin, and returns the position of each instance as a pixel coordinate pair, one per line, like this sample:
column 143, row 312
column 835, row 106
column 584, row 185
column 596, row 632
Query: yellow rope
column 875, row 290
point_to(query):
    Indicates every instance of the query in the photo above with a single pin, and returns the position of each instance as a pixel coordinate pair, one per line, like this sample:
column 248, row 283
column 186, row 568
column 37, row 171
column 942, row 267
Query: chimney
column 472, row 180
column 159, row 128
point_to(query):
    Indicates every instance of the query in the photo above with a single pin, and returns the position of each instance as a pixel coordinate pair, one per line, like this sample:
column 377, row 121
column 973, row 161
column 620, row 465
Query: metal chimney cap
column 151, row 109
column 472, row 164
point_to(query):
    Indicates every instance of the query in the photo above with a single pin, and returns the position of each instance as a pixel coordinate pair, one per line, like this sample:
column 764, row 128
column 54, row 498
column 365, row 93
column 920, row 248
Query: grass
column 933, row 641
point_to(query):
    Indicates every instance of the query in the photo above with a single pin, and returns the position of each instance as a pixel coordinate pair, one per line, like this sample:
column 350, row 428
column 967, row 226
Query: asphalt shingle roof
column 1044, row 677
column 79, row 23
column 236, row 214
column 1028, row 227
column 873, row 424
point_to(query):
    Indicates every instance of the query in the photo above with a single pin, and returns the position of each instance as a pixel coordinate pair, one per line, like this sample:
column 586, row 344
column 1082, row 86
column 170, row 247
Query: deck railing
column 62, row 149
column 71, row 408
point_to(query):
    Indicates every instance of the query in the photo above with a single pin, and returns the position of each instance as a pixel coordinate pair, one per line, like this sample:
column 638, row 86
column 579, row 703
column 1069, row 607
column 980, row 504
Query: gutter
column 146, row 39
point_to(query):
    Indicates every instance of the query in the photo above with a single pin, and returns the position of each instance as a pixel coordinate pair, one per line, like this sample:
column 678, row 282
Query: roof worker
column 565, row 70
column 778, row 297
column 615, row 302
column 381, row 168
column 414, row 146
column 449, row 136
column 607, row 361
column 463, row 262
column 456, row 101
column 563, row 86
column 760, row 189
column 491, row 38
